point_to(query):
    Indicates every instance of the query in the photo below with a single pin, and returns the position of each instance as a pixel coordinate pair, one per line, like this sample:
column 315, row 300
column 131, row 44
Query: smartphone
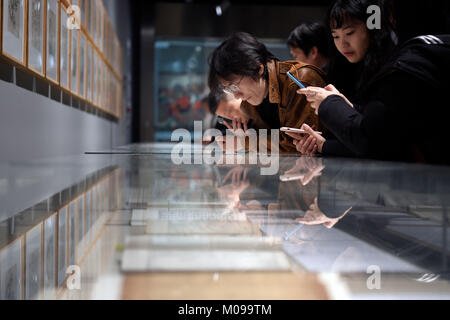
column 301, row 85
column 295, row 130
column 291, row 177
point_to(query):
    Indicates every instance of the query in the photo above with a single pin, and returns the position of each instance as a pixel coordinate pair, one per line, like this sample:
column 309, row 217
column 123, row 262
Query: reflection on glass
column 62, row 246
column 33, row 263
column 11, row 279
column 49, row 256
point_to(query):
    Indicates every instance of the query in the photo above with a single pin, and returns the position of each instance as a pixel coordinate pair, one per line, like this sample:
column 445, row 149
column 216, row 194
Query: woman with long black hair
column 401, row 111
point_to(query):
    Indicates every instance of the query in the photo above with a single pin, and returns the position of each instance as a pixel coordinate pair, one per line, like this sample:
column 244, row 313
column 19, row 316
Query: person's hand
column 237, row 175
column 308, row 144
column 238, row 143
column 314, row 216
column 311, row 167
column 238, row 126
column 316, row 95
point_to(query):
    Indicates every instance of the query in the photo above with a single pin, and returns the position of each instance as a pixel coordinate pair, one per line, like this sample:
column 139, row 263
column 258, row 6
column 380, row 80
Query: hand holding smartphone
column 295, row 130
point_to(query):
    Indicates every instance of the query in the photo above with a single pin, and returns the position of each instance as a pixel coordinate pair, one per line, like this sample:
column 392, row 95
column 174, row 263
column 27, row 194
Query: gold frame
column 44, row 38
column 69, row 44
column 58, row 42
column 24, row 40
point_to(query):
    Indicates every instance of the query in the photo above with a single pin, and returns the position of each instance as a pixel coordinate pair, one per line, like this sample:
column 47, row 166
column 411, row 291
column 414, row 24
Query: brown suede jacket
column 294, row 110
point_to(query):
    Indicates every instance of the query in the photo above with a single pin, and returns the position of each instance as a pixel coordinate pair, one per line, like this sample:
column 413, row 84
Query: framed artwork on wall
column 11, row 271
column 52, row 29
column 82, row 66
column 74, row 34
column 64, row 49
column 13, row 31
column 95, row 78
column 62, row 246
column 50, row 263
column 89, row 72
column 36, row 35
column 34, row 262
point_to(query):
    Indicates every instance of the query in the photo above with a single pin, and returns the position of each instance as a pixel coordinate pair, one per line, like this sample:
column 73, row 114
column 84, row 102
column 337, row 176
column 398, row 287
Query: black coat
column 405, row 113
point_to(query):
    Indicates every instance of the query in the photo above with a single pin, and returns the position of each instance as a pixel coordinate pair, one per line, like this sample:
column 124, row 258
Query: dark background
column 264, row 19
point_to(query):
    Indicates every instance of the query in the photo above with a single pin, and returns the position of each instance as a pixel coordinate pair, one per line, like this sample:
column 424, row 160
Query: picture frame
column 34, row 262
column 64, row 57
column 95, row 77
column 73, row 224
column 13, row 31
column 74, row 55
column 62, row 245
column 99, row 24
column 12, row 271
column 35, row 37
column 82, row 66
column 52, row 41
column 89, row 72
column 50, row 254
column 81, row 227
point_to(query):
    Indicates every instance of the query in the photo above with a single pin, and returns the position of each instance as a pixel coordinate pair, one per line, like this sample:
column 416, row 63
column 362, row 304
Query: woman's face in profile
column 352, row 40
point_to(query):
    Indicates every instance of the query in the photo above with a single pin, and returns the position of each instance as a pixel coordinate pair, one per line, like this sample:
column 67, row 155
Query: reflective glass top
column 145, row 223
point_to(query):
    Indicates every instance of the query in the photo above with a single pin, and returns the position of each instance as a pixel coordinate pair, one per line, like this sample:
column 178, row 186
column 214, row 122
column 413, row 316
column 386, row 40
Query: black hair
column 239, row 55
column 309, row 35
column 350, row 78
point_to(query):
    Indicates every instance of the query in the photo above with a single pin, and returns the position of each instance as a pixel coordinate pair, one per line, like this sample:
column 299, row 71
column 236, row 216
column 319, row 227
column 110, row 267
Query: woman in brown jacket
column 242, row 66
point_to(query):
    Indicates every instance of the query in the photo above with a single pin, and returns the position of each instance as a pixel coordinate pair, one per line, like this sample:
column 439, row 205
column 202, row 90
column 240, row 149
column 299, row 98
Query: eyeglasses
column 232, row 88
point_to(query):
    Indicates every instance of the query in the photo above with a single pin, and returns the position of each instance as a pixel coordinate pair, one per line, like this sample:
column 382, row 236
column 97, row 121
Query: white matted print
column 13, row 29
column 64, row 55
column 36, row 35
column 62, row 246
column 52, row 40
